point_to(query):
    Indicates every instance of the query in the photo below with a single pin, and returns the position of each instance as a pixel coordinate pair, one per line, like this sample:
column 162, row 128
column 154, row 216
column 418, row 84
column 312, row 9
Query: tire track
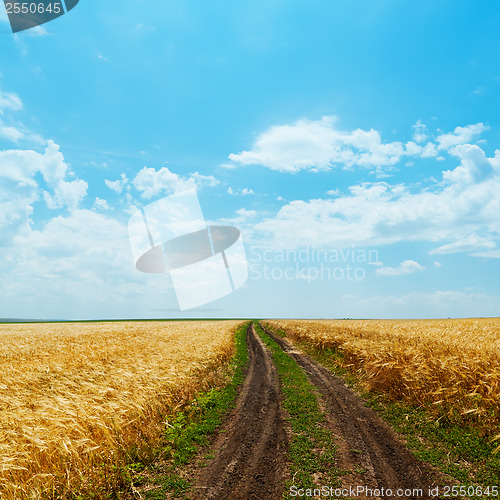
column 364, row 439
column 250, row 451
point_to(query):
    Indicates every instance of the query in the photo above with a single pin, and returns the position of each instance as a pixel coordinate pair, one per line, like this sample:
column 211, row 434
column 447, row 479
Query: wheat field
column 78, row 399
column 451, row 367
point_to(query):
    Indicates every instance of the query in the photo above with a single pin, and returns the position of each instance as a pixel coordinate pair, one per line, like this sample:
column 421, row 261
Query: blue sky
column 368, row 127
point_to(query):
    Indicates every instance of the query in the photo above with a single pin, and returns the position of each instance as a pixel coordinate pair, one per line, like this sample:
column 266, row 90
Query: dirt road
column 250, row 451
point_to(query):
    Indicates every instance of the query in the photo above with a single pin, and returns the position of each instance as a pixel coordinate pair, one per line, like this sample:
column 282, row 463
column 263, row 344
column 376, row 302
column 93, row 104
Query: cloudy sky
column 354, row 143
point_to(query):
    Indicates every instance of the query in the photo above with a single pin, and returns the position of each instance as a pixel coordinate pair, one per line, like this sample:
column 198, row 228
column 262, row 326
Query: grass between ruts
column 188, row 432
column 455, row 450
column 312, row 450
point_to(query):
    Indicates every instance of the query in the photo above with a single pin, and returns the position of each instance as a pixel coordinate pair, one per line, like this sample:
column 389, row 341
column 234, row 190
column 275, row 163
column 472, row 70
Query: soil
column 369, row 449
column 249, row 453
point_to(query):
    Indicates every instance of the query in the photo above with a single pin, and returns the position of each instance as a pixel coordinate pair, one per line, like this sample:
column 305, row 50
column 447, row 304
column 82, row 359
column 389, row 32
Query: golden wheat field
column 452, row 367
column 76, row 398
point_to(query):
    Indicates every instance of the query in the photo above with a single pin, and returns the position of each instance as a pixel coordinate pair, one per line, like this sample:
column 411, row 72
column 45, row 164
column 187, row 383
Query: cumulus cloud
column 380, row 213
column 54, row 171
column 308, row 144
column 461, row 135
column 406, row 267
column 62, row 262
column 203, row 180
column 12, row 129
column 64, row 265
column 316, row 145
column 474, row 167
column 419, row 131
column 118, row 185
column 100, row 204
column 69, row 194
column 150, row 182
column 427, row 151
column 19, row 188
column 67, row 266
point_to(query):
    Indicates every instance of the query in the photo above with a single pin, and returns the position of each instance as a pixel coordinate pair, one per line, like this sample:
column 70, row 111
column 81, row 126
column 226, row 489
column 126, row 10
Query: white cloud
column 320, row 145
column 11, row 129
column 471, row 243
column 489, row 254
column 461, row 135
column 419, row 131
column 76, row 260
column 240, row 192
column 10, row 101
column 243, row 212
column 118, row 185
column 406, row 267
column 54, row 170
column 474, row 167
column 151, row 182
column 19, row 189
column 69, row 194
column 100, row 204
column 203, row 180
column 63, row 264
column 427, row 151
column 101, row 57
column 244, row 221
column 11, row 133
column 380, row 213
column 334, row 192
column 308, row 144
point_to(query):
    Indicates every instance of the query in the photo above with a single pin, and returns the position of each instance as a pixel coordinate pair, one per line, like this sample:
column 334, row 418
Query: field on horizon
column 77, row 398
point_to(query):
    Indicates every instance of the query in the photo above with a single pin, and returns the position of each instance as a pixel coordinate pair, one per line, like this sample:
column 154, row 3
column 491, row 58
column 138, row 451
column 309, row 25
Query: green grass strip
column 455, row 450
column 193, row 427
column 312, row 450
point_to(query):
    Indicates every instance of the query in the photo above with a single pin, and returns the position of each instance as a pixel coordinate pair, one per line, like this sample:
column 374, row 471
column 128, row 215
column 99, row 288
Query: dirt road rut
column 250, row 451
column 368, row 447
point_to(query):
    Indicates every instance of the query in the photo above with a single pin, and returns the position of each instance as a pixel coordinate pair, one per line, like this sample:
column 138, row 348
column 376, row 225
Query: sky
column 354, row 143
